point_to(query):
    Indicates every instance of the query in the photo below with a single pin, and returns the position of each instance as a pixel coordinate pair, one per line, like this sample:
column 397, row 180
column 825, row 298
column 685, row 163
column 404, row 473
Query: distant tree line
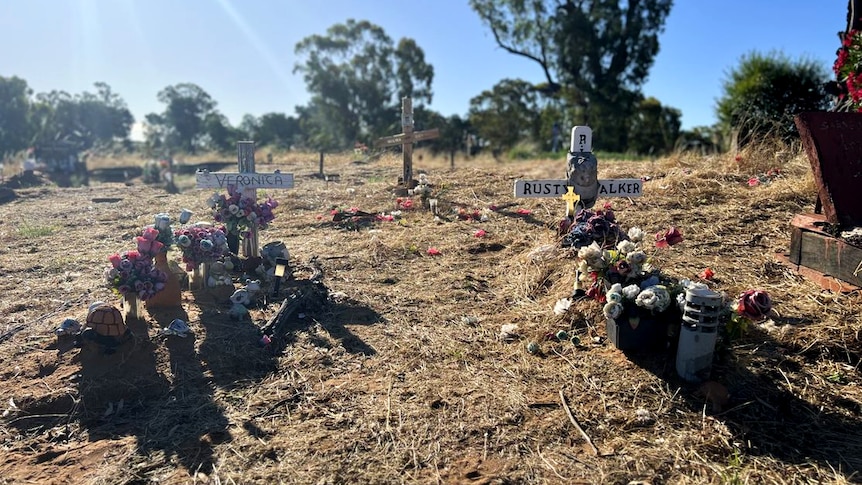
column 594, row 54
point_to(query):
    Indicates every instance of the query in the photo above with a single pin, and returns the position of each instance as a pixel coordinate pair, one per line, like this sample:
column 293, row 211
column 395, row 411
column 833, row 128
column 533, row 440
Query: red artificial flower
column 707, row 274
column 738, row 158
column 668, row 238
column 597, row 293
column 754, row 304
column 434, row 252
column 480, row 233
column 492, row 207
column 407, row 204
column 753, row 182
column 524, row 212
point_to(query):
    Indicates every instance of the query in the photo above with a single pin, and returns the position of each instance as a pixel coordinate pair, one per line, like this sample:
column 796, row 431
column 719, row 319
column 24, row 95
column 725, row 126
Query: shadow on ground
column 766, row 418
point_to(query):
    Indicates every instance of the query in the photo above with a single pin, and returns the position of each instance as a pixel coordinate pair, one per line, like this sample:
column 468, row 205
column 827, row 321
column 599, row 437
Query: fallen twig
column 282, row 402
column 575, row 422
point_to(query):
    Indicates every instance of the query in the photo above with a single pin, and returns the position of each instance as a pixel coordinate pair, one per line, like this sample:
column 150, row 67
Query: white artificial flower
column 592, row 254
column 631, row 292
column 233, row 208
column 562, row 306
column 636, row 258
column 615, row 288
column 625, row 247
column 162, row 222
column 614, row 297
column 647, row 299
column 612, row 310
column 636, row 234
column 655, row 298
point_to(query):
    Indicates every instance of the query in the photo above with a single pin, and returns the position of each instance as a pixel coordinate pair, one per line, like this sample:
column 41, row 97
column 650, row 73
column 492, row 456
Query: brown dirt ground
column 400, row 376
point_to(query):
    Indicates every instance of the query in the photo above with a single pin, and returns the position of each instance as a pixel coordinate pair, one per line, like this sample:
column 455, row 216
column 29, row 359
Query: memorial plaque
column 833, row 143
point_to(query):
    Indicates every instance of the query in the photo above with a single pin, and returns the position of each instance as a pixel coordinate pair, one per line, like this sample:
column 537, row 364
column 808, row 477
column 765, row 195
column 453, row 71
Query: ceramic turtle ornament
column 104, row 327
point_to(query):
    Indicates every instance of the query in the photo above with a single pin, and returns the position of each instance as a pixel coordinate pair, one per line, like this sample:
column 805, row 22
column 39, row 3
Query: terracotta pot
column 171, row 294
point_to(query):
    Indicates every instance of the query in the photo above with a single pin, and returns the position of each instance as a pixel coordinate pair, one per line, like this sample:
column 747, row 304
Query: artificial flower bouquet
column 201, row 243
column 599, row 267
column 239, row 213
column 592, row 226
column 133, row 273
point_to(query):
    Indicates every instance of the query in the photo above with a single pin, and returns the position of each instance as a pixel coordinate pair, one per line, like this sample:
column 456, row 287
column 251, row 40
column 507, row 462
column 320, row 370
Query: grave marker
column 247, row 181
column 582, row 181
column 406, row 139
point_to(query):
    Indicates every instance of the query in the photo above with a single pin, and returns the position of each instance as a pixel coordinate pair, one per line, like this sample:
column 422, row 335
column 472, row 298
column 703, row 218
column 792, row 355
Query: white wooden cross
column 247, row 181
column 406, row 139
column 582, row 182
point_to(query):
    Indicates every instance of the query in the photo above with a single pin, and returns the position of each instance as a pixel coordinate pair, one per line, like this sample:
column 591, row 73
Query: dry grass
column 402, row 378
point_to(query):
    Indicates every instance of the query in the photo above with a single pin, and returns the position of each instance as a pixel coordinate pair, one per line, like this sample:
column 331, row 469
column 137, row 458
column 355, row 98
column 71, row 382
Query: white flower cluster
column 627, row 260
column 648, row 295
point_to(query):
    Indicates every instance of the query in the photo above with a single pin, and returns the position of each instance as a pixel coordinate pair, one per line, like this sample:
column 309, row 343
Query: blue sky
column 242, row 51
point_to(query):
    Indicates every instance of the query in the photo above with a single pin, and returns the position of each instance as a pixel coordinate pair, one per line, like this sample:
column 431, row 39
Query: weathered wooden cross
column 247, row 181
column 582, row 187
column 406, row 139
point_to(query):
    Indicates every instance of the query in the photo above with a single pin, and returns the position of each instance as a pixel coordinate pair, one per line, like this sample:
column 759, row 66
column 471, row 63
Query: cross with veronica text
column 247, row 181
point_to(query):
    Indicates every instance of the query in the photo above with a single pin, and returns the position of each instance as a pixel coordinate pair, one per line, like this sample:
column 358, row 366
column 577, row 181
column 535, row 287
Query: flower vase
column 635, row 330
column 233, row 242
column 250, row 251
column 131, row 307
column 198, row 280
column 171, row 295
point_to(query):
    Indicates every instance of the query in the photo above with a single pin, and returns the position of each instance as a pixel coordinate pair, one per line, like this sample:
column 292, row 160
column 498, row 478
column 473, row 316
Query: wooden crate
column 830, row 261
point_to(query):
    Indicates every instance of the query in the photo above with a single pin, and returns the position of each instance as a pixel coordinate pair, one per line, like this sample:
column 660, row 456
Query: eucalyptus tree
column 85, row 119
column 15, row 127
column 357, row 75
column 183, row 123
column 595, row 53
column 506, row 114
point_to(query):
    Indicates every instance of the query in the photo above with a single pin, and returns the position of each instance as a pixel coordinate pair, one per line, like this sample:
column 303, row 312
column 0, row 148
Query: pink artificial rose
column 754, row 304
column 115, row 260
column 434, row 252
column 150, row 233
column 145, row 245
column 480, row 233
